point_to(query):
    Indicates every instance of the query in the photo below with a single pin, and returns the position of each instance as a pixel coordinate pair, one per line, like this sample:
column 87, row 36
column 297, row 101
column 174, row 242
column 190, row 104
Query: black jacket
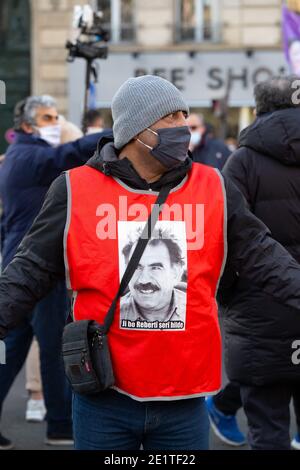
column 39, row 262
column 259, row 331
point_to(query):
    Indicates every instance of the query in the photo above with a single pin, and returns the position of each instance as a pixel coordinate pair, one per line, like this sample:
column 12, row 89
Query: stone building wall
column 51, row 27
column 255, row 23
column 243, row 23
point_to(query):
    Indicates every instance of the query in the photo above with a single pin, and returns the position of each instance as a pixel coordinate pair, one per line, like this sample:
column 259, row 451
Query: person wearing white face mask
column 205, row 148
column 35, row 411
column 31, row 164
column 51, row 134
column 42, row 121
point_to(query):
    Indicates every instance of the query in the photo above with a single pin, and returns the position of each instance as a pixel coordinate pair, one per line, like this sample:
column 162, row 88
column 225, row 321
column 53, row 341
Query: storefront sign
column 202, row 77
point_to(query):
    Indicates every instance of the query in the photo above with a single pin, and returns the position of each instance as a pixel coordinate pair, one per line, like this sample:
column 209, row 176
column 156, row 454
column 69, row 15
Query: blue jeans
column 112, row 421
column 47, row 324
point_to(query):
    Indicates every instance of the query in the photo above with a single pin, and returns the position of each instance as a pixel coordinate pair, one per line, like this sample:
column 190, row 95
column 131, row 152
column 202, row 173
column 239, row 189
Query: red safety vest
column 165, row 340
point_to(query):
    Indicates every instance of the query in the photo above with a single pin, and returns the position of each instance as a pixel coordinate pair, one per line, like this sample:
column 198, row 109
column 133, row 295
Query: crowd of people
column 53, row 178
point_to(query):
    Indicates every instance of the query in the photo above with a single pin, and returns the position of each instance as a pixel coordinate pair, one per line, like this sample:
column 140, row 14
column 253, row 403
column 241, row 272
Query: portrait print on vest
column 156, row 298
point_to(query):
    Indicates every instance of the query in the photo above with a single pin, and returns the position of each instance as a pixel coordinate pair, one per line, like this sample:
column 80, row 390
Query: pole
column 87, row 89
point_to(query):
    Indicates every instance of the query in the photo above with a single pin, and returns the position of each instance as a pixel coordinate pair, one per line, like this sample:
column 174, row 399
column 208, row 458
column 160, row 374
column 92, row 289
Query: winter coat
column 259, row 330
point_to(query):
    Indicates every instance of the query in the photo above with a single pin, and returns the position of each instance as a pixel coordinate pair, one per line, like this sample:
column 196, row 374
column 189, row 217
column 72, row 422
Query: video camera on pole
column 90, row 43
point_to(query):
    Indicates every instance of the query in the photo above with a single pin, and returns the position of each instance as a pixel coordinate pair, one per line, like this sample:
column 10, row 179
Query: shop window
column 15, row 67
column 196, row 20
column 118, row 19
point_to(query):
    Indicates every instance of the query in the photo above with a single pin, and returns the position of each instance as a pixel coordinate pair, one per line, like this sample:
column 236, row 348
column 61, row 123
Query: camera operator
column 31, row 164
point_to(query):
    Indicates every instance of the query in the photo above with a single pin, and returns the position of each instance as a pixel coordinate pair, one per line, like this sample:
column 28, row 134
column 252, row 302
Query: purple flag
column 291, row 38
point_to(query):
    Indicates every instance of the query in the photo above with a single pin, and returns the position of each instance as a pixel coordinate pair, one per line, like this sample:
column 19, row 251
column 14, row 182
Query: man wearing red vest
column 165, row 338
column 156, row 293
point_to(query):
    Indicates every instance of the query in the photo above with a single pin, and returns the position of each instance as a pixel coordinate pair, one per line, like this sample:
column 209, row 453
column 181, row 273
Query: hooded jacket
column 39, row 262
column 259, row 331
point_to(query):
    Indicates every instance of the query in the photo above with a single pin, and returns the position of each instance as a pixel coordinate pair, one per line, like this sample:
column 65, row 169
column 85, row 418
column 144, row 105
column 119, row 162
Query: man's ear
column 27, row 128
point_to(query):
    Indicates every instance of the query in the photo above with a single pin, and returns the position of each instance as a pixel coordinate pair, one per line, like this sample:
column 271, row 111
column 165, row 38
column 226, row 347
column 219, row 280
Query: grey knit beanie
column 140, row 102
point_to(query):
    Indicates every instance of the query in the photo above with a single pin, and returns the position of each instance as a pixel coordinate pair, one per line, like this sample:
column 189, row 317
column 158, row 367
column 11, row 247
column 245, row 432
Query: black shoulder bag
column 85, row 346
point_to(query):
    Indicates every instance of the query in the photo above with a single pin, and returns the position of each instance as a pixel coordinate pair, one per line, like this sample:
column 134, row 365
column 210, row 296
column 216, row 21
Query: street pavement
column 29, row 436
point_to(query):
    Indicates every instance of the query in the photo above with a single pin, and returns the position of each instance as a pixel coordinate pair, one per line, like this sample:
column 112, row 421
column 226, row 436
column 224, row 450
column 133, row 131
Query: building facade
column 211, row 49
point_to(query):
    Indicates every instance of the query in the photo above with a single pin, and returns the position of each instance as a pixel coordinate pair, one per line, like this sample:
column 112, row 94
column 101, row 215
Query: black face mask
column 173, row 145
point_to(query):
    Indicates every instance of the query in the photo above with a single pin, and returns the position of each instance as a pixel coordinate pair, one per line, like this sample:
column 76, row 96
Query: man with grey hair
column 31, row 164
column 278, row 93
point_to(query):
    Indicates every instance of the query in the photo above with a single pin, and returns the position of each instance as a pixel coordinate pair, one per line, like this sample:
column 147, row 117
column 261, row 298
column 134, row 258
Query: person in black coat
column 262, row 334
